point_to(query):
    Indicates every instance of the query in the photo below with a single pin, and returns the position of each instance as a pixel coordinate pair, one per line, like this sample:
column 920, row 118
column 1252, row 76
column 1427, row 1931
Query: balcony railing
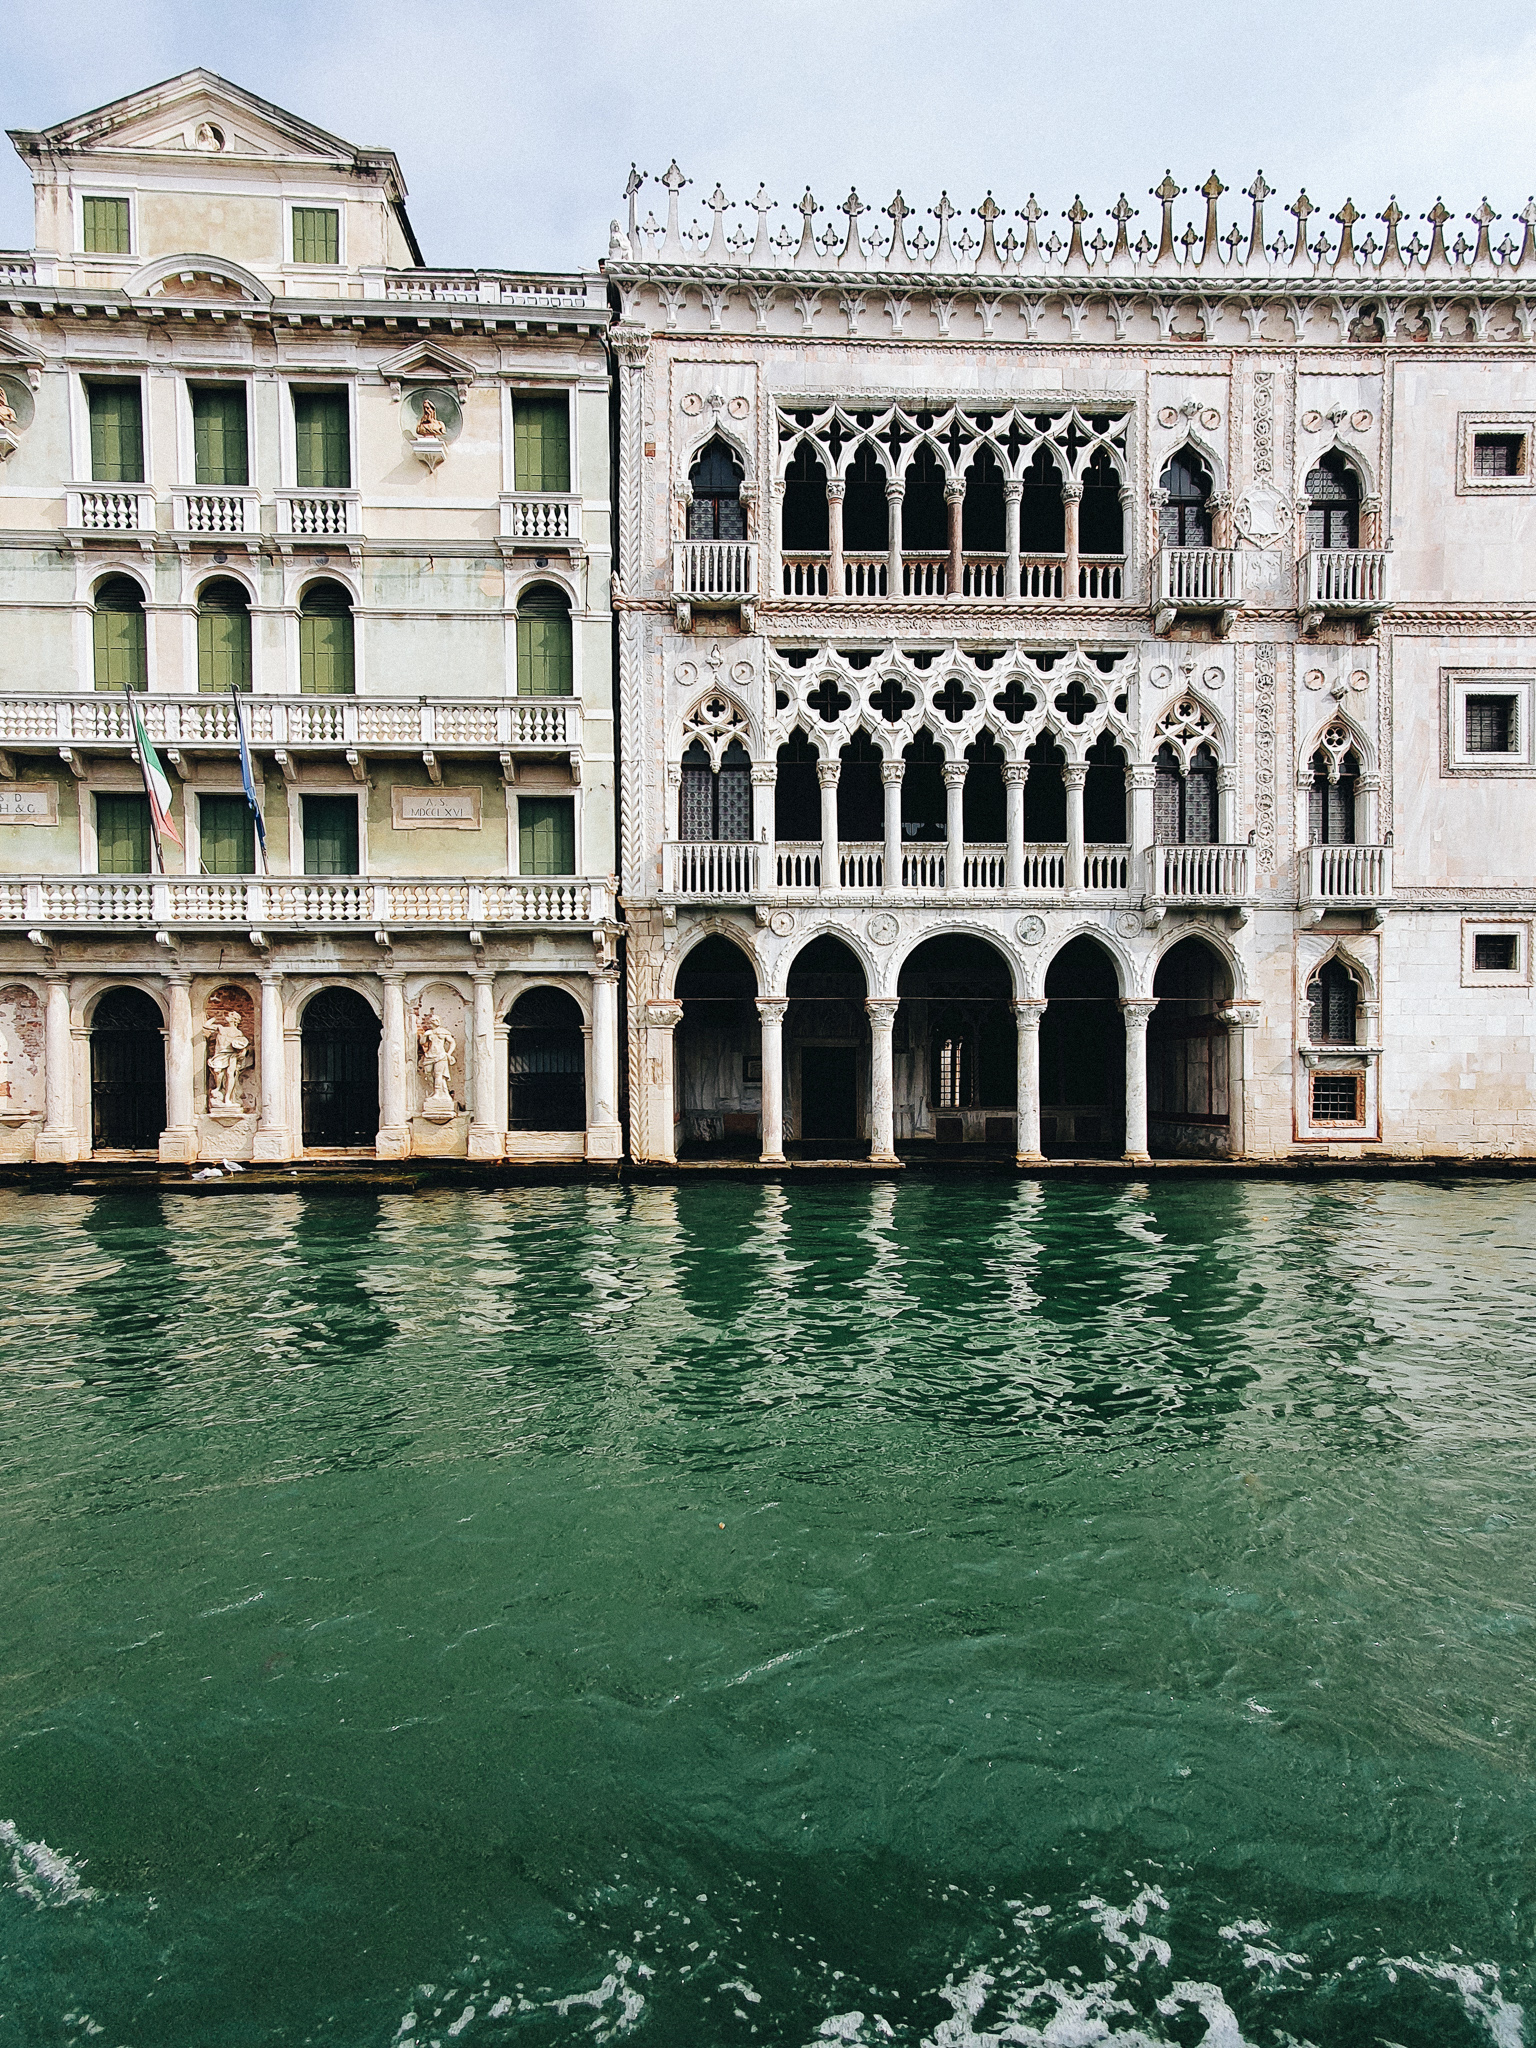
column 1106, row 870
column 714, row 571
column 860, row 866
column 485, row 724
column 1342, row 876
column 710, row 867
column 1346, row 579
column 1200, row 579
column 865, row 575
column 110, row 508
column 1198, row 874
column 804, row 575
column 225, row 514
column 317, row 515
column 1043, row 579
column 38, row 902
column 541, row 516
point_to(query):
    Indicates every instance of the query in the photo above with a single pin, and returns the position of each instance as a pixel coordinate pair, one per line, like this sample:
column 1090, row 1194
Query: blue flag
column 248, row 780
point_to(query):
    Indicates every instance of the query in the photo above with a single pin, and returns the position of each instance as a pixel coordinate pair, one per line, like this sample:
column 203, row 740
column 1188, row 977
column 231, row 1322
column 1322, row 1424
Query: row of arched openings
column 339, row 1038
column 327, row 638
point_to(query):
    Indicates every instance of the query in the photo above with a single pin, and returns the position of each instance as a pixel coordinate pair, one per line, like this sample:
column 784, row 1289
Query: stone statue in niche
column 228, row 1048
column 437, row 1047
column 7, row 411
column 429, row 427
column 10, row 427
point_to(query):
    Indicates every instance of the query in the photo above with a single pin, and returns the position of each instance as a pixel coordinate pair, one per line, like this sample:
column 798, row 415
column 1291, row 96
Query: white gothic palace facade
column 825, row 683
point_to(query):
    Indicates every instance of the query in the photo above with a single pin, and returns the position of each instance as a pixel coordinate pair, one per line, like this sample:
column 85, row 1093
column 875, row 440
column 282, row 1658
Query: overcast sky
column 516, row 123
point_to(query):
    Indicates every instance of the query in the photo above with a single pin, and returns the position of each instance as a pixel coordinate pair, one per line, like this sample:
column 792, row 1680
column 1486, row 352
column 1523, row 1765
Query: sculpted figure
column 437, row 1050
column 7, row 410
column 429, row 427
column 227, row 1049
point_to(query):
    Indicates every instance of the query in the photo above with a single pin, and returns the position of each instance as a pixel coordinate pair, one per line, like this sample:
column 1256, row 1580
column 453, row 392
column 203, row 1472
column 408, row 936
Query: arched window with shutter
column 716, row 512
column 1331, row 799
column 1185, row 520
column 1333, row 504
column 223, row 636
column 117, row 634
column 325, row 642
column 544, row 663
column 716, row 803
column 1333, row 1005
column 1184, row 802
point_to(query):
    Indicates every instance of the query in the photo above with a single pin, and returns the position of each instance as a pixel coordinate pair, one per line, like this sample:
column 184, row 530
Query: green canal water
column 940, row 1613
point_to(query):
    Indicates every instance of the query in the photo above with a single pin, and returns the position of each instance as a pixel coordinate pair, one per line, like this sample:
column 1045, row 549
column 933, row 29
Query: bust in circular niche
column 432, row 414
column 429, row 427
column 16, row 411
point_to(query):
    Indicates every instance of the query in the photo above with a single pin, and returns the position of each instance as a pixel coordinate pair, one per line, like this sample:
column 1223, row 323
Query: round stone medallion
column 782, row 923
column 1030, row 930
column 1128, row 923
column 883, row 929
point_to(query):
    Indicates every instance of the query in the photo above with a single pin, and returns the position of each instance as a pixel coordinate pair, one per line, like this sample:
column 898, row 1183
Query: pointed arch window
column 716, row 803
column 1042, row 515
column 1184, row 809
column 1100, row 518
column 1333, row 504
column 1331, row 798
column 716, row 512
column 1333, row 1005
column 805, row 503
column 1185, row 520
column 117, row 635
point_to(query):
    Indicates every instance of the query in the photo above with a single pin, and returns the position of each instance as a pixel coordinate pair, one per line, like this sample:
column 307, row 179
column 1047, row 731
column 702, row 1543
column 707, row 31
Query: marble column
column 895, row 492
column 1226, row 805
column 765, row 780
column 178, row 1141
column 1028, row 1011
column 1075, row 774
column 1071, row 505
column 605, row 1139
column 770, row 1010
column 776, row 537
column 1141, row 782
column 827, row 773
column 954, row 505
column 881, row 1011
column 394, row 1140
column 891, row 773
column 1137, row 1011
column 1013, row 492
column 274, row 1141
column 1015, row 775
column 662, row 1020
column 487, row 1139
column 954, row 773
column 57, row 1140
column 837, row 490
column 1242, row 1020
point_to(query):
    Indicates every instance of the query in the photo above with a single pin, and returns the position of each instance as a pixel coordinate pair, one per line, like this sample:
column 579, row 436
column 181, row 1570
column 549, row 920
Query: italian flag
column 157, row 786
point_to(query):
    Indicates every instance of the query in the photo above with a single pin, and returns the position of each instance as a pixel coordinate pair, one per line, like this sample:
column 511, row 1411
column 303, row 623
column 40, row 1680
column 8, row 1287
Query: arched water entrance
column 718, row 1052
column 127, row 1072
column 546, row 1063
column 339, row 1036
column 1082, row 1056
column 826, row 1052
column 1188, row 1100
column 955, row 1045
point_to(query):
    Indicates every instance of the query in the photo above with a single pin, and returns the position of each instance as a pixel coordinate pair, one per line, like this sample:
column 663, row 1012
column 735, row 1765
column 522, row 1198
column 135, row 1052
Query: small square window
column 1498, row 455
column 104, row 225
column 316, row 234
column 1492, row 725
column 1336, row 1098
column 1496, row 953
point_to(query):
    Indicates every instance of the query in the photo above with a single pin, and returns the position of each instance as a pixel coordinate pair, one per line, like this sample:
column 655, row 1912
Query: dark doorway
column 1188, row 1103
column 1082, row 1056
column 127, row 1073
column 340, row 1039
column 955, row 1044
column 546, row 1063
column 718, row 1053
column 826, row 1039
column 829, row 1094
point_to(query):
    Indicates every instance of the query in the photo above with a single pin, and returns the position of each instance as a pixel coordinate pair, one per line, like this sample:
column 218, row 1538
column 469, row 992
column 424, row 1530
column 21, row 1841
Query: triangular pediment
column 196, row 114
column 16, row 354
column 428, row 361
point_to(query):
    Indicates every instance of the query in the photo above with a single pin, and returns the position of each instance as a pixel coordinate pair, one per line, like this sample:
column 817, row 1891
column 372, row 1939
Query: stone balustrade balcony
column 1345, row 582
column 542, row 521
column 318, row 515
column 216, row 514
column 110, row 512
column 714, row 573
column 1040, row 578
column 1198, row 580
column 98, row 722
column 1199, row 875
column 743, row 870
column 1345, row 878
column 137, row 903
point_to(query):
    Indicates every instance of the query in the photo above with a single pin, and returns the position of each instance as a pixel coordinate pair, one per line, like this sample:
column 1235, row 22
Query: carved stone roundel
column 782, row 923
column 1359, row 679
column 1314, row 679
column 1210, row 419
column 1030, row 930
column 684, row 674
column 883, row 929
column 739, row 407
column 1212, row 678
column 741, row 672
column 692, row 404
column 1128, row 923
column 1168, row 417
column 1311, row 421
column 1360, row 421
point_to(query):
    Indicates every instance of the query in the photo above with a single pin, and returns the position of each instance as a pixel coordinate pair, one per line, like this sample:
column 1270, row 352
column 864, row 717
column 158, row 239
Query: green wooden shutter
column 117, row 632
column 541, row 444
column 122, row 835
column 546, row 835
column 322, row 441
column 316, row 234
column 228, row 835
column 223, row 646
column 325, row 653
column 117, row 434
column 219, row 450
column 105, row 222
column 330, row 835
column 544, row 645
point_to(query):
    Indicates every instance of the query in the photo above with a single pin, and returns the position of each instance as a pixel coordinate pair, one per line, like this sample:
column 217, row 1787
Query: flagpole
column 154, row 836
column 248, row 783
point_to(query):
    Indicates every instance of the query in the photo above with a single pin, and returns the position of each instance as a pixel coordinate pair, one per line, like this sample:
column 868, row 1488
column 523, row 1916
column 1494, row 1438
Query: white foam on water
column 1114, row 1922
column 1477, row 1984
column 40, row 1873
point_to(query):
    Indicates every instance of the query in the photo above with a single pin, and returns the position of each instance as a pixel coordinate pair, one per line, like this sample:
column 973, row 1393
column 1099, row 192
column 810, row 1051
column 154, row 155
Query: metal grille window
column 322, row 441
column 223, row 636
column 117, row 635
column 316, row 234
column 117, row 433
column 716, row 512
column 226, row 835
column 1184, row 805
column 1331, row 803
column 1185, row 520
column 1498, row 455
column 105, row 226
column 1338, row 1098
column 219, row 451
column 541, row 442
column 1495, row 953
column 715, row 804
column 1333, row 1005
column 1492, row 725
column 546, row 1063
column 1333, row 504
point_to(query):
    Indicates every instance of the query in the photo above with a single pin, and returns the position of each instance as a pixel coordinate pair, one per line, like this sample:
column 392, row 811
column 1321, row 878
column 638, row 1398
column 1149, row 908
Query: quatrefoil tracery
column 1015, row 434
column 1185, row 726
column 714, row 722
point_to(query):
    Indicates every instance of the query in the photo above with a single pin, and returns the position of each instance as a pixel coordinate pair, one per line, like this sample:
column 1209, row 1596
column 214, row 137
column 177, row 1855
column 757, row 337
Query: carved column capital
column 827, row 773
column 954, row 773
column 891, row 772
column 1013, row 490
column 1075, row 774
column 954, row 491
column 1029, row 1010
column 1071, row 493
column 1016, row 772
column 764, row 775
column 663, row 1016
column 1138, row 1011
column 837, row 490
column 1143, row 776
column 881, row 1011
column 895, row 490
column 771, row 1008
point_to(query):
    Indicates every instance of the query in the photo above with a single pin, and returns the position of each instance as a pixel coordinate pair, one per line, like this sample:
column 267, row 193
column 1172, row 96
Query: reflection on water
column 932, row 1612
